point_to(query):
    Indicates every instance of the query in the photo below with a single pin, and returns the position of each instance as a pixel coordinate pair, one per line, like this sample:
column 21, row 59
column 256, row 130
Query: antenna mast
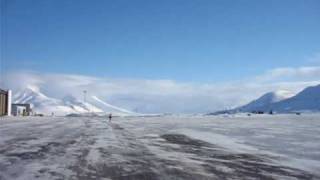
column 85, row 95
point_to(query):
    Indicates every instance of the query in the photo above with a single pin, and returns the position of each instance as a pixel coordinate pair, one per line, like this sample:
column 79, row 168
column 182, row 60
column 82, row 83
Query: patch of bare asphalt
column 132, row 160
column 33, row 153
column 128, row 160
column 41, row 151
column 239, row 165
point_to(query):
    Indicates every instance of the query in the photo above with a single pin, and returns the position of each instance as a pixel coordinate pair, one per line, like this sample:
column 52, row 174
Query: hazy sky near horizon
column 181, row 40
column 161, row 56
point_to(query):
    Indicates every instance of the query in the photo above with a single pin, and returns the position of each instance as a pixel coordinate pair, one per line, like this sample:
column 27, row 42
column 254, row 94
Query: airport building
column 21, row 109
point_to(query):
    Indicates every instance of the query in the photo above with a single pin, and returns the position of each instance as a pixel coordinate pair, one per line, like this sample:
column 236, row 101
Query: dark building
column 5, row 103
column 21, row 109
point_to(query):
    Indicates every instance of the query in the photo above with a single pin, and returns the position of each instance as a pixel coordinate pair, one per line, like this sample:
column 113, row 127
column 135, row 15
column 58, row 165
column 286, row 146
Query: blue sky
column 180, row 40
column 180, row 56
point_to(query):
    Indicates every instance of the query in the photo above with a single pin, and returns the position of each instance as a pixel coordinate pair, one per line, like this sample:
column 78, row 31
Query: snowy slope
column 80, row 106
column 111, row 108
column 266, row 100
column 306, row 100
column 43, row 104
column 283, row 101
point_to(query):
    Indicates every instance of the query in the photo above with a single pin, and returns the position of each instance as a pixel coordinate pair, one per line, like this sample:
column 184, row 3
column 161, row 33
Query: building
column 21, row 109
column 5, row 103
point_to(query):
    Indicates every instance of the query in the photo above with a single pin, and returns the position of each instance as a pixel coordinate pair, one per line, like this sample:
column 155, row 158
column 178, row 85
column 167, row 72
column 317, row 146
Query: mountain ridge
column 283, row 102
column 43, row 104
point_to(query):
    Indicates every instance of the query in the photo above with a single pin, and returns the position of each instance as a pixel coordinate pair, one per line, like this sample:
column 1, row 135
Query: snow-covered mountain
column 308, row 100
column 265, row 101
column 43, row 104
column 113, row 109
column 80, row 106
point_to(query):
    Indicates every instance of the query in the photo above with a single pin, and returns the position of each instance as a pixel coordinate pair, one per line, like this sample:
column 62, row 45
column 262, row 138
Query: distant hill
column 306, row 100
column 265, row 101
column 282, row 102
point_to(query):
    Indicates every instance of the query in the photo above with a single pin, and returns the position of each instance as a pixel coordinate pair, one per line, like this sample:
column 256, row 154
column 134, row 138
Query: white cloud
column 291, row 74
column 166, row 95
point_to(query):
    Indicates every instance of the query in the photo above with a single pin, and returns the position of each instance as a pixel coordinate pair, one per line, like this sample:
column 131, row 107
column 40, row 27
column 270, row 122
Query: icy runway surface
column 137, row 148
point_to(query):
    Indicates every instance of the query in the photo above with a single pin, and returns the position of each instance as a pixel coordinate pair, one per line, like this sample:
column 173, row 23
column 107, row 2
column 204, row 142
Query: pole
column 84, row 95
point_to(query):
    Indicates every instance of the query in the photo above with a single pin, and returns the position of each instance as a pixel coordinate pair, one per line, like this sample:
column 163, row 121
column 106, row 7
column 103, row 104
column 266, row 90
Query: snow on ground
column 172, row 147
